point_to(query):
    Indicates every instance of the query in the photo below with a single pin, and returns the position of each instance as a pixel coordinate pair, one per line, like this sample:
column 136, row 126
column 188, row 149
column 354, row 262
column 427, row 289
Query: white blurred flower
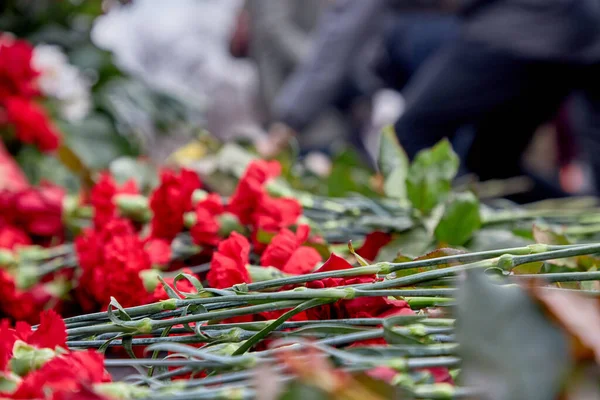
column 318, row 163
column 60, row 80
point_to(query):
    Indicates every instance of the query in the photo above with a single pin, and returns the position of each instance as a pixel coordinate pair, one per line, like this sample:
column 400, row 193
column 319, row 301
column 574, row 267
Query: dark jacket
column 550, row 30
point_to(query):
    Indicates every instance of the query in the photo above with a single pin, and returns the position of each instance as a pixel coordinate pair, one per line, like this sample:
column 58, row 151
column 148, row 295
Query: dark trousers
column 502, row 96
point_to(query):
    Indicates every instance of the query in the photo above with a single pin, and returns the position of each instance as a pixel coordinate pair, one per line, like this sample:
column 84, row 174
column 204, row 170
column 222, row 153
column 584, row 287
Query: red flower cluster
column 170, row 201
column 11, row 176
column 53, row 374
column 18, row 88
column 286, row 252
column 206, row 229
column 254, row 206
column 102, row 198
column 111, row 260
column 23, row 304
column 228, row 265
column 32, row 213
column 361, row 307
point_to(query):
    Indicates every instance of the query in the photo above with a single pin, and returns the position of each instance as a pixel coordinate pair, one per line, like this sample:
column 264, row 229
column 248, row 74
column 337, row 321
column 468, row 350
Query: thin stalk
column 391, row 267
column 562, row 276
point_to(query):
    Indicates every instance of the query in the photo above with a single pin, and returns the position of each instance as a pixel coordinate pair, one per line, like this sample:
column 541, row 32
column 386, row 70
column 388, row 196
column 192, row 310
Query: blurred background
column 211, row 83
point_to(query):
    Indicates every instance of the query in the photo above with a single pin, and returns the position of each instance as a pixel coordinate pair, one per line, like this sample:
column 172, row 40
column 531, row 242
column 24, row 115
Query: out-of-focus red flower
column 50, row 334
column 111, row 261
column 272, row 214
column 373, row 243
column 17, row 75
column 12, row 237
column 302, row 261
column 31, row 124
column 159, row 251
column 170, row 201
column 335, row 263
column 11, row 176
column 102, row 198
column 124, row 258
column 22, row 305
column 287, row 253
column 250, row 191
column 206, row 229
column 228, row 265
column 66, row 373
column 39, row 210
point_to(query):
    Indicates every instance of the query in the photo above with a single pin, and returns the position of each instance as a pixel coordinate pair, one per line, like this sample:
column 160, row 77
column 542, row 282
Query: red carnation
column 111, row 261
column 228, row 265
column 102, row 198
column 11, row 237
column 22, row 305
column 11, row 176
column 51, row 333
column 159, row 251
column 249, row 190
column 31, row 124
column 41, row 210
column 287, row 253
column 17, row 75
column 206, row 229
column 272, row 214
column 361, row 307
column 170, row 201
column 373, row 243
column 67, row 373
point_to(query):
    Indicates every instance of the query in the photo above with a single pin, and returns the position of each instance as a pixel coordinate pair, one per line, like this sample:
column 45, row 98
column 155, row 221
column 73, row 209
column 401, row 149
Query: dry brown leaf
column 575, row 313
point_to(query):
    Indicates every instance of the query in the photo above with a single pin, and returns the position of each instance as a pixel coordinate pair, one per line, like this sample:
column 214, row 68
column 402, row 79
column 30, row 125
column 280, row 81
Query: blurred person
column 344, row 68
column 510, row 69
column 180, row 47
column 279, row 39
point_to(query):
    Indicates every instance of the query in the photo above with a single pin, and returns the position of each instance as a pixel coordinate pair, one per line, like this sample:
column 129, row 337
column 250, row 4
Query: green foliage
column 430, row 176
column 460, row 220
column 393, row 164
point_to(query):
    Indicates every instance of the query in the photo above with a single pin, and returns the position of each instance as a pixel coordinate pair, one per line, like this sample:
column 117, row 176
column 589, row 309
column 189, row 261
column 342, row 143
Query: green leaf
column 126, row 168
column 503, row 336
column 95, row 142
column 494, row 239
column 430, row 176
column 460, row 219
column 412, row 244
column 393, row 164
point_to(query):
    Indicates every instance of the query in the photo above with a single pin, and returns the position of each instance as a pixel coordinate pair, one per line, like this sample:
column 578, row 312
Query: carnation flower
column 287, row 253
column 206, row 229
column 249, row 190
column 228, row 265
column 373, row 243
column 170, row 201
column 17, row 75
column 12, row 237
column 102, row 198
column 31, row 124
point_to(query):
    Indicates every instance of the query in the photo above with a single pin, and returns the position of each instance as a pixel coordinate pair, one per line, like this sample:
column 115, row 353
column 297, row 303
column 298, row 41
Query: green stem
column 275, row 324
column 562, row 276
column 391, row 267
column 154, row 324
